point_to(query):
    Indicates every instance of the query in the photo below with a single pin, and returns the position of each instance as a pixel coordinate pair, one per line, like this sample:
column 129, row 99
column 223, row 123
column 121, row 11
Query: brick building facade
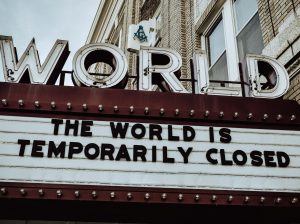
column 186, row 27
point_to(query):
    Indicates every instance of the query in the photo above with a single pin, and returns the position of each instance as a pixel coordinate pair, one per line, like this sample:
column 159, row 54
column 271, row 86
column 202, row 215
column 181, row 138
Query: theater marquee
column 93, row 143
column 148, row 154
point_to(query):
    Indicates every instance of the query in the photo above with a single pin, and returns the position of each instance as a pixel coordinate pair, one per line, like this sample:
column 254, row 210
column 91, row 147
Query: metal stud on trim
column 293, row 117
column 129, row 196
column 131, row 109
column 213, row 198
column 230, row 198
column 100, row 107
column 4, row 102
column 85, row 107
column 37, row 104
column 247, row 199
column 23, row 192
column 69, row 106
column 197, row 197
column 21, row 103
column 163, row 196
column 279, row 117
column 147, row 196
column 294, row 201
column 76, row 194
column 53, row 105
column 162, row 111
column 235, row 115
column 221, row 114
column 206, row 113
column 116, row 109
column 250, row 116
column 94, row 194
column 192, row 113
column 265, row 117
column 278, row 200
column 59, row 193
column 146, row 111
column 180, row 197
column 262, row 200
column 112, row 195
column 3, row 191
column 41, row 192
column 176, row 112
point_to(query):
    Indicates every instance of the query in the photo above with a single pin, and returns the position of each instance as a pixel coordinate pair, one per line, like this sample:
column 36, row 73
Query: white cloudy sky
column 47, row 21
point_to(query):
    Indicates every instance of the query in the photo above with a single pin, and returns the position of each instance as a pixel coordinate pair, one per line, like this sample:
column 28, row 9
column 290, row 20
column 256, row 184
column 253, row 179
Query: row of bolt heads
column 147, row 110
column 59, row 194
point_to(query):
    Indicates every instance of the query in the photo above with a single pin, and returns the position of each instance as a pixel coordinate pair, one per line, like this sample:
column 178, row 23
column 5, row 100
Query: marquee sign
column 133, row 154
column 144, row 145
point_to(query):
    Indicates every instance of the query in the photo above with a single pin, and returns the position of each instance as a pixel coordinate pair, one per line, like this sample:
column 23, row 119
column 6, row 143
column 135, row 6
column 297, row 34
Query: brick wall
column 272, row 15
column 281, row 30
column 178, row 32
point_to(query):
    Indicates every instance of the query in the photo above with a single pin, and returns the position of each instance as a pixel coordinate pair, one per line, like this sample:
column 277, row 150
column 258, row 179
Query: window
column 235, row 33
column 217, row 53
column 248, row 31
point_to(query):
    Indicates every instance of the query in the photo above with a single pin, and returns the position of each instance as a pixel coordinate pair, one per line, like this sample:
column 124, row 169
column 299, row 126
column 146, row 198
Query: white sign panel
column 46, row 150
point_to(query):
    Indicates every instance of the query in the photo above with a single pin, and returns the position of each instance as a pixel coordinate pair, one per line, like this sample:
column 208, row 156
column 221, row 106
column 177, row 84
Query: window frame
column 228, row 18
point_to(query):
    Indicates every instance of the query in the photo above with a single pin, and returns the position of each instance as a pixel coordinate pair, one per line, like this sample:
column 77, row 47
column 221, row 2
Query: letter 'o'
column 94, row 53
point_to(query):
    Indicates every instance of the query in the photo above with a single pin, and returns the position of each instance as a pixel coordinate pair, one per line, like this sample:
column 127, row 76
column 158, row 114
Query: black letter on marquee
column 118, row 130
column 185, row 154
column 225, row 135
column 56, row 123
column 186, row 131
column 256, row 158
column 139, row 151
column 236, row 160
column 211, row 134
column 107, row 150
column 85, row 128
column 208, row 156
column 269, row 158
column 223, row 159
column 23, row 144
column 171, row 137
column 155, row 130
column 87, row 151
column 282, row 163
column 138, row 135
column 153, row 153
column 123, row 153
column 166, row 159
column 60, row 149
column 74, row 148
column 70, row 126
column 37, row 148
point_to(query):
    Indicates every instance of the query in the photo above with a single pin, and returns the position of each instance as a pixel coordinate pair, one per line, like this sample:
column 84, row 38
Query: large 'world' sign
column 154, row 63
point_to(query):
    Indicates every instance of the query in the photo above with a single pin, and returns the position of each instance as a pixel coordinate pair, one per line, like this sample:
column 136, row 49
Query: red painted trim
column 50, row 192
column 153, row 100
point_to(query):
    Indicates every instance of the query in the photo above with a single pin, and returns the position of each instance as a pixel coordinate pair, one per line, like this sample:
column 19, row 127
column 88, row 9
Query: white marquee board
column 196, row 173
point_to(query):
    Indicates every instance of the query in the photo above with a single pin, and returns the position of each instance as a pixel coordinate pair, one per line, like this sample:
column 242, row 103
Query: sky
column 47, row 21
